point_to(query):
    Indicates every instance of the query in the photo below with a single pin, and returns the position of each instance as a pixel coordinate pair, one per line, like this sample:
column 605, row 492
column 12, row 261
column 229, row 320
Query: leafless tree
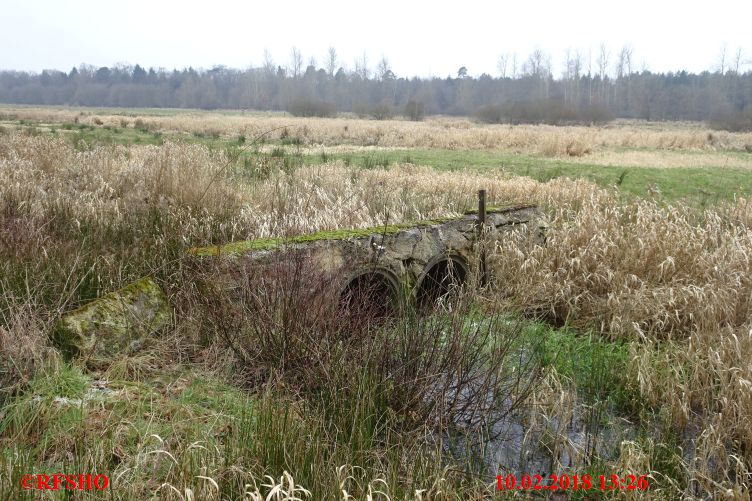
column 603, row 58
column 384, row 69
column 590, row 74
column 722, row 59
column 623, row 89
column 738, row 60
column 573, row 65
column 567, row 73
column 268, row 64
column 624, row 62
column 534, row 63
column 572, row 69
column 501, row 65
column 296, row 60
column 602, row 61
column 628, row 52
column 576, row 65
column 331, row 61
column 537, row 64
column 567, row 63
column 361, row 67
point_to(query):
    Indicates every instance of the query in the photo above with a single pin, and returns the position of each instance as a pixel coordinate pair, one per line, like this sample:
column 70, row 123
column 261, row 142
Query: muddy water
column 526, row 442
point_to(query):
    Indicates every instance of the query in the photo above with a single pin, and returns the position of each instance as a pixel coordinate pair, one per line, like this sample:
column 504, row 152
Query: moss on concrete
column 241, row 247
column 103, row 329
column 236, row 248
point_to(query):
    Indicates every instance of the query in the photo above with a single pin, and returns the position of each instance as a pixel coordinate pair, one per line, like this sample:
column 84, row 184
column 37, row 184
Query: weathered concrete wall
column 401, row 258
column 403, row 254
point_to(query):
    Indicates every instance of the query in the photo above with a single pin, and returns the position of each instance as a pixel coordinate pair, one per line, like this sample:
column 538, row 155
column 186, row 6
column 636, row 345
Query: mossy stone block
column 102, row 330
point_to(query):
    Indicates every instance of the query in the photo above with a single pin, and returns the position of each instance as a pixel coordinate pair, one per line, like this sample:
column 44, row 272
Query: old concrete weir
column 385, row 266
column 418, row 261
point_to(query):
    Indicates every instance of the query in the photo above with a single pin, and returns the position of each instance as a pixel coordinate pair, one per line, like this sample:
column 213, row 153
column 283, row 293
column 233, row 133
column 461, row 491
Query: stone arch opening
column 371, row 294
column 442, row 276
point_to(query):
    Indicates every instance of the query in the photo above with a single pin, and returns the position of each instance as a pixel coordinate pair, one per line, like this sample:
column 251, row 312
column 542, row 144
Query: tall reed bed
column 438, row 132
column 676, row 284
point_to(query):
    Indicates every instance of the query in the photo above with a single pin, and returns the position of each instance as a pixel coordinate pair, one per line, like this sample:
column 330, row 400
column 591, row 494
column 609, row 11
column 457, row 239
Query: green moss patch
column 236, row 248
column 104, row 328
column 241, row 247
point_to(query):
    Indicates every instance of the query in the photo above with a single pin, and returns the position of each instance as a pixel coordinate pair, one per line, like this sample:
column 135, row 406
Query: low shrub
column 733, row 120
column 414, row 110
column 310, row 107
column 551, row 112
column 453, row 368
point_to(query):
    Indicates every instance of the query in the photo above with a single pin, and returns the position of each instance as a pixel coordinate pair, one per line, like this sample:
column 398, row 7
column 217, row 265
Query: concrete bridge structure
column 384, row 266
column 416, row 261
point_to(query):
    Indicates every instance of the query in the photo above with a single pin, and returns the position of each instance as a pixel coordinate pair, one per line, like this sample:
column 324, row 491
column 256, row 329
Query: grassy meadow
column 622, row 346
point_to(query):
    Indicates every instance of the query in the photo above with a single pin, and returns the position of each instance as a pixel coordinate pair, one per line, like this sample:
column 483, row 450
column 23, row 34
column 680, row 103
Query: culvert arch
column 371, row 292
column 440, row 276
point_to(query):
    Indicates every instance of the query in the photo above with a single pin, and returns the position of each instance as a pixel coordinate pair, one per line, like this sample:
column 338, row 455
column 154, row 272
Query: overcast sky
column 418, row 38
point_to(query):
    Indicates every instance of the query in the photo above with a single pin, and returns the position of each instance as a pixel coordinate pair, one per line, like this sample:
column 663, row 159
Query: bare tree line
column 591, row 86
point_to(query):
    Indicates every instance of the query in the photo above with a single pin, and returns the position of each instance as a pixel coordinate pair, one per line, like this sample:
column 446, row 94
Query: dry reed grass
column 23, row 344
column 678, row 284
column 108, row 184
column 41, row 172
column 439, row 132
column 666, row 159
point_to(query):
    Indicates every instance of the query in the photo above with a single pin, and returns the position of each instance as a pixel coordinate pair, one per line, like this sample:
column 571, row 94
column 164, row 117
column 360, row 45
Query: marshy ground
column 621, row 346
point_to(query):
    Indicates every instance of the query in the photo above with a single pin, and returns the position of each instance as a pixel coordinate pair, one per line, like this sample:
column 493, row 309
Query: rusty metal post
column 481, row 224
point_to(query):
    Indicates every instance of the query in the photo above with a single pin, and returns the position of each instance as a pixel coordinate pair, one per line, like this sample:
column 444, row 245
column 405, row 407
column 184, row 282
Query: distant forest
column 530, row 95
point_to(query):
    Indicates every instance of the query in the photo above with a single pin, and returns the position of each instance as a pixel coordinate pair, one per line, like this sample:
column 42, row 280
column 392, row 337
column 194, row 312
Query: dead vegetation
column 438, row 132
column 674, row 282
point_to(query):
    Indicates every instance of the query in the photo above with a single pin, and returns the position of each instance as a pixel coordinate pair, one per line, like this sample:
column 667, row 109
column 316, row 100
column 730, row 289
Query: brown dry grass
column 666, row 159
column 109, row 183
column 675, row 282
column 438, row 132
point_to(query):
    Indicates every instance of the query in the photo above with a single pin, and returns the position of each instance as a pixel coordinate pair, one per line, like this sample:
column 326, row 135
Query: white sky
column 418, row 37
